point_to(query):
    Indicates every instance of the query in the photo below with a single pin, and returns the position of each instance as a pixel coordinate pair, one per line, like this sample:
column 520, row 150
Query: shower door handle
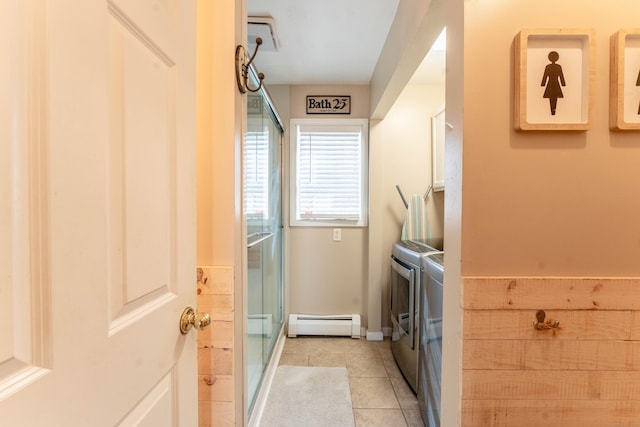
column 262, row 236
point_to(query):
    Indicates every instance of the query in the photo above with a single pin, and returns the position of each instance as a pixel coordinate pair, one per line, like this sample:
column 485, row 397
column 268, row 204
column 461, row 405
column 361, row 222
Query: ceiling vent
column 263, row 27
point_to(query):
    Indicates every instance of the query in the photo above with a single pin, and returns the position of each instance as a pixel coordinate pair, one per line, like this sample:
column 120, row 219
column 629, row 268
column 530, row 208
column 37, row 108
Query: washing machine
column 430, row 347
column 407, row 277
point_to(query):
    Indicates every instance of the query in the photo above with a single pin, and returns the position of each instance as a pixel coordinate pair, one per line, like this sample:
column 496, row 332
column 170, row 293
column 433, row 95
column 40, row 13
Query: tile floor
column 379, row 394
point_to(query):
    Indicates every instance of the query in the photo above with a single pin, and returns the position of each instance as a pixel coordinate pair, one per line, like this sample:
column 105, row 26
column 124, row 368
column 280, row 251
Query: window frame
column 295, row 124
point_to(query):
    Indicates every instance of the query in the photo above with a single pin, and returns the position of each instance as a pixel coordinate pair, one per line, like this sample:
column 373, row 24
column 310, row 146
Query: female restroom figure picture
column 553, row 79
column 638, row 84
column 624, row 80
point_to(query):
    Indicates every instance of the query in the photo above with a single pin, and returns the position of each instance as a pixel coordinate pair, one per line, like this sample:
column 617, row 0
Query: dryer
column 407, row 277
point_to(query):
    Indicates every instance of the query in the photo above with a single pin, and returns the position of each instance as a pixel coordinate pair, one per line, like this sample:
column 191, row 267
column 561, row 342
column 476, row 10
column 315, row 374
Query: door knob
column 190, row 319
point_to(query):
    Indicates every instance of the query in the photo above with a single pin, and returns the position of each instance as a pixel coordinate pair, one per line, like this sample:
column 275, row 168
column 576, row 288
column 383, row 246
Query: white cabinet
column 437, row 149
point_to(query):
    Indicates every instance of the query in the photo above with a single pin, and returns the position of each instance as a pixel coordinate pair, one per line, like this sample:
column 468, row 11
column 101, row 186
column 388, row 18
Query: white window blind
column 256, row 155
column 330, row 172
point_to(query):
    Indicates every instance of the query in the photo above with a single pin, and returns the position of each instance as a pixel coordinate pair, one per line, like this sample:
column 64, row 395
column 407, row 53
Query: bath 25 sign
column 328, row 104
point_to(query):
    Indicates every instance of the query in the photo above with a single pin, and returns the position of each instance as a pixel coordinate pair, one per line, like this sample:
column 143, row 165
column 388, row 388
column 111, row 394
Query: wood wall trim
column 550, row 385
column 585, row 373
column 551, row 293
column 549, row 413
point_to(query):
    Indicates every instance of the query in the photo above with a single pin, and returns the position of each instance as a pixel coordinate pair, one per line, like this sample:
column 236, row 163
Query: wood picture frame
column 624, row 80
column 554, row 74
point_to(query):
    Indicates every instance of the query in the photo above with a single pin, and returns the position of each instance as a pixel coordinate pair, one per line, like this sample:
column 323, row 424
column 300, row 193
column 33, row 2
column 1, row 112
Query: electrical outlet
column 337, row 234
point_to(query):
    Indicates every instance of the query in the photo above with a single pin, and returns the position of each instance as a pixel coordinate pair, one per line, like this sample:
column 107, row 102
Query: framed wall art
column 554, row 79
column 624, row 85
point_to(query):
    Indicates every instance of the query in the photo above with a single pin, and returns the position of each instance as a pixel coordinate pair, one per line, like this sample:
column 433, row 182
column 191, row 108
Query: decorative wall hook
column 242, row 68
column 201, row 277
column 541, row 324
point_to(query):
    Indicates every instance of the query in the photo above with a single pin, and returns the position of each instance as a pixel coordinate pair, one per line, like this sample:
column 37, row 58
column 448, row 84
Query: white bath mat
column 308, row 396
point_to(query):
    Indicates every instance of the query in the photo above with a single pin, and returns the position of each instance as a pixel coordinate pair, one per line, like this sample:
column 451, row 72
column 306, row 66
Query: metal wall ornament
column 554, row 74
column 242, row 68
column 624, row 84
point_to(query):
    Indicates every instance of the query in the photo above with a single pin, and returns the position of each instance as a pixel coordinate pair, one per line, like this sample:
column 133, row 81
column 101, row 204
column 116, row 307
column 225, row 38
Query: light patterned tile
column 328, row 345
column 385, row 350
column 365, row 365
column 404, row 393
column 331, row 360
column 362, row 346
column 392, row 368
column 295, row 345
column 413, row 417
column 379, row 393
column 372, row 393
column 294, row 359
column 379, row 418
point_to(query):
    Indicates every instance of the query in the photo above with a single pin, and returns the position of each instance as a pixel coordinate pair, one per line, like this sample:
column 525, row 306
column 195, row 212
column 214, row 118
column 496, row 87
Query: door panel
column 24, row 326
column 97, row 213
column 156, row 409
column 142, row 137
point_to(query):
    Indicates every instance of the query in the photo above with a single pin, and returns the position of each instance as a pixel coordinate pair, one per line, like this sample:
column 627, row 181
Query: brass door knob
column 190, row 319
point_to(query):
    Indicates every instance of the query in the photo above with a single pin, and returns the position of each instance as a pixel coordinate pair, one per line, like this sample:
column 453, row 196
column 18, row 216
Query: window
column 329, row 172
column 256, row 164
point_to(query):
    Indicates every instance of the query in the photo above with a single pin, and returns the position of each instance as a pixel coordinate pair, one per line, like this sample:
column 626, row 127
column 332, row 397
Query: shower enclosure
column 263, row 212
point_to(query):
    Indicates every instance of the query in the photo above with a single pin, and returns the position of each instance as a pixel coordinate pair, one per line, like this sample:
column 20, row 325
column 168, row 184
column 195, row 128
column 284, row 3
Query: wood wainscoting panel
column 574, row 324
column 585, row 372
column 552, row 293
column 551, row 355
column 216, row 348
column 545, row 412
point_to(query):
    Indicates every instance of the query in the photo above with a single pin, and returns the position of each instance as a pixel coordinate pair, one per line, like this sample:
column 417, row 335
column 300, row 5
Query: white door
column 97, row 212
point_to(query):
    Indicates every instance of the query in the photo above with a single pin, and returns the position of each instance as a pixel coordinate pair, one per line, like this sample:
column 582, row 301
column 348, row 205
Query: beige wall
column 401, row 155
column 542, row 203
column 351, row 276
column 452, row 310
column 325, row 277
column 359, row 100
column 357, row 278
column 415, row 27
column 219, row 106
column 534, row 204
column 534, row 207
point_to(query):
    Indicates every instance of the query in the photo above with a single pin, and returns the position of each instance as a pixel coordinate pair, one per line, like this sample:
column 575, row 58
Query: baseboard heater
column 339, row 325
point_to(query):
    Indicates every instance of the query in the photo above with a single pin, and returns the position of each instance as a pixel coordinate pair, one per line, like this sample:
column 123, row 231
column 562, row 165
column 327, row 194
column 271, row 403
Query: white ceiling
column 330, row 41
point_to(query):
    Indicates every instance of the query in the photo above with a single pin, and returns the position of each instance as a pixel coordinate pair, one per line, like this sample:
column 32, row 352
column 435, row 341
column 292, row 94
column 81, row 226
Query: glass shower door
column 262, row 169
